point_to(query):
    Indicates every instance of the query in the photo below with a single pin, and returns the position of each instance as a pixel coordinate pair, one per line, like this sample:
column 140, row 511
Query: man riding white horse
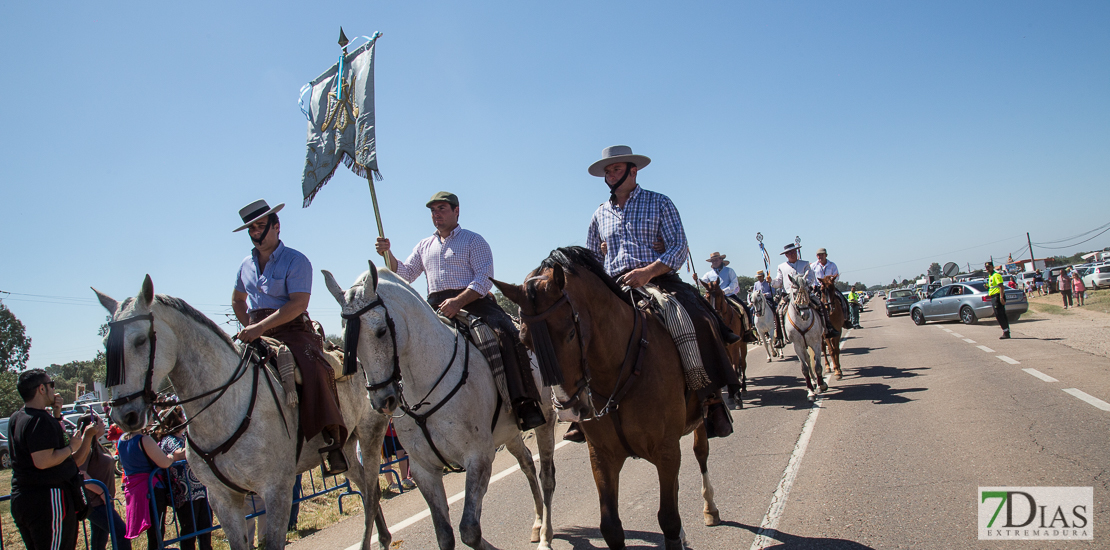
column 763, row 286
column 459, row 267
column 795, row 266
column 271, row 295
column 629, row 223
column 726, row 278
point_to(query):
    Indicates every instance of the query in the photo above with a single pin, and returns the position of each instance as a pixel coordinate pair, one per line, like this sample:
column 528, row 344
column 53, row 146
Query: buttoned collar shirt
column 822, row 271
column 630, row 232
column 461, row 260
column 287, row 271
column 764, row 286
column 782, row 279
column 727, row 278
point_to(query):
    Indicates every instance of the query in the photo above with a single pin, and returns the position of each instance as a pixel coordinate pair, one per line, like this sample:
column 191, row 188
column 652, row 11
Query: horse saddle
column 286, row 365
column 485, row 339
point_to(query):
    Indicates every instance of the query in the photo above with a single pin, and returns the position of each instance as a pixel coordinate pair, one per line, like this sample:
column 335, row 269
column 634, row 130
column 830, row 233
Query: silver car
column 966, row 302
column 899, row 301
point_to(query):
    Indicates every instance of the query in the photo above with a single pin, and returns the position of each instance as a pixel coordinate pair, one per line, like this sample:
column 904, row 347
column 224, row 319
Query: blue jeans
column 98, row 517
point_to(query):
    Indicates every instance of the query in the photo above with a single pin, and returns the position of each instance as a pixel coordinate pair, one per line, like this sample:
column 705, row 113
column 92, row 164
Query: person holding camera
column 48, row 501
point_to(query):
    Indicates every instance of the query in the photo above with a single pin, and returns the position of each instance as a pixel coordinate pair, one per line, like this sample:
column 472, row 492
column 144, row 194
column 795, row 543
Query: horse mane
column 570, row 258
column 179, row 305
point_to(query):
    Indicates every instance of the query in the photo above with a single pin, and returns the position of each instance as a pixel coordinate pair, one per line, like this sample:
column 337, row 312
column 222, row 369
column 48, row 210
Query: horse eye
column 140, row 341
column 381, row 332
column 570, row 335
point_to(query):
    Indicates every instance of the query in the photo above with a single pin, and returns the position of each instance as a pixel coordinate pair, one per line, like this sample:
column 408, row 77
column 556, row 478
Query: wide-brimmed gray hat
column 256, row 211
column 789, row 247
column 617, row 153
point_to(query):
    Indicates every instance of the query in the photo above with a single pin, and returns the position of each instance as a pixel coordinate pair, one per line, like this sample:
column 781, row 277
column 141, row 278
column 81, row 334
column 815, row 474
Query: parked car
column 5, row 456
column 1097, row 276
column 899, row 301
column 4, row 427
column 1051, row 276
column 96, row 406
column 967, row 303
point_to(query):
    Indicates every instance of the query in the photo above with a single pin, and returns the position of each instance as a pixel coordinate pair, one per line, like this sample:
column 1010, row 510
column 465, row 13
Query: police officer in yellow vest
column 996, row 290
column 854, row 306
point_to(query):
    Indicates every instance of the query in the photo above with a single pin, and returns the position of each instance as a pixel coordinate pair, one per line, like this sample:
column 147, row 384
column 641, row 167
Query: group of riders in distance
column 613, row 329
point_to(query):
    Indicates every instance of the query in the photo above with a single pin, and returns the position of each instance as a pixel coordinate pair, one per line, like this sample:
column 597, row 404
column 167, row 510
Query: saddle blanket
column 485, row 339
column 681, row 329
column 333, row 354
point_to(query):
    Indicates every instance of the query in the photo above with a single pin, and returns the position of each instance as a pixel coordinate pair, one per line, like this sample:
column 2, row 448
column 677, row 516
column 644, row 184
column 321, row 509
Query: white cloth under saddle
column 485, row 339
column 681, row 328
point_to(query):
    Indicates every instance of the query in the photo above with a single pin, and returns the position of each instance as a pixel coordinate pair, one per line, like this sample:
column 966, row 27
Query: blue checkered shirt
column 462, row 260
column 630, row 232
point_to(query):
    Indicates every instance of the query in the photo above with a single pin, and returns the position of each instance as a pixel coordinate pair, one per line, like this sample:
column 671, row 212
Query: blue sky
column 892, row 133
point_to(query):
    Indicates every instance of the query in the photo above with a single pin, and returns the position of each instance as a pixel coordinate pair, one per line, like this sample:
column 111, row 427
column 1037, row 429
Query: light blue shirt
column 726, row 277
column 286, row 272
column 765, row 287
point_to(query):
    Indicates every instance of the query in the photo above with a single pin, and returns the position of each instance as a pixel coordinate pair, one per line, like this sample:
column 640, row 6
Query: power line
column 1083, row 234
column 1107, row 228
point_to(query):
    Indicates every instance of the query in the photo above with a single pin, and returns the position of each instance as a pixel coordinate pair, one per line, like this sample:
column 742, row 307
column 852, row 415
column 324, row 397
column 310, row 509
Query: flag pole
column 369, row 175
column 374, row 199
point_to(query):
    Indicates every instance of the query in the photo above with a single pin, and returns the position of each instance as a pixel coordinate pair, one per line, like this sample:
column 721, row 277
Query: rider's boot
column 718, row 421
column 331, row 455
column 528, row 414
column 574, row 433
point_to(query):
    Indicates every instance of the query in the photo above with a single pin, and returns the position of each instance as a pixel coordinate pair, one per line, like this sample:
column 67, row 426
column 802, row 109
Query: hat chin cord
column 613, row 188
column 262, row 237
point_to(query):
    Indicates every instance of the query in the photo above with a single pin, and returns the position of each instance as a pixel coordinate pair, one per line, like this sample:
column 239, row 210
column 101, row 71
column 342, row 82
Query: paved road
column 893, row 458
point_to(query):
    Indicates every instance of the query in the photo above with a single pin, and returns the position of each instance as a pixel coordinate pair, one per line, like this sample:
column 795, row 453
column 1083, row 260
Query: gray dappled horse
column 160, row 337
column 806, row 331
column 418, row 364
column 764, row 315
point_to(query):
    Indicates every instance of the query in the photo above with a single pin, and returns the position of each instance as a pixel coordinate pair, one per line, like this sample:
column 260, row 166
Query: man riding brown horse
column 730, row 286
column 629, row 223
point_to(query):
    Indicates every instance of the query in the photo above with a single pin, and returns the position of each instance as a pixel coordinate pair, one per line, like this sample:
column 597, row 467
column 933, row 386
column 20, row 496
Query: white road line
column 396, row 528
column 768, row 528
column 986, row 349
column 957, row 335
column 1098, row 403
column 1008, row 360
column 1040, row 375
column 946, row 329
column 969, row 340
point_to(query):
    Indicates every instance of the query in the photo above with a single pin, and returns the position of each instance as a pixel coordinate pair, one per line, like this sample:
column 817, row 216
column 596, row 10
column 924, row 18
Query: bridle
column 350, row 344
column 115, row 375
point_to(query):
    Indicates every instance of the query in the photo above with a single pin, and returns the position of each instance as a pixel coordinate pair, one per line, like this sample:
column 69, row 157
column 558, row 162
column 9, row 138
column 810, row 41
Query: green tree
column 67, row 376
column 15, row 345
column 9, row 395
column 934, row 270
column 745, row 283
column 506, row 304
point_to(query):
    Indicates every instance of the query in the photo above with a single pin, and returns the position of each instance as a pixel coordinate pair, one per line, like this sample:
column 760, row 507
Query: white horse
column 764, row 314
column 447, row 381
column 806, row 331
column 163, row 337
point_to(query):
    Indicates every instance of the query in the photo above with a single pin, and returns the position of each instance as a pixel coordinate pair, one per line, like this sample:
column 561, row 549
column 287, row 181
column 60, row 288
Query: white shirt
column 782, row 279
column 726, row 277
column 822, row 271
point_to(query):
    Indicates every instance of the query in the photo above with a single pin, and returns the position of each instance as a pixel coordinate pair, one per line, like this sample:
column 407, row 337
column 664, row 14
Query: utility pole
column 1032, row 259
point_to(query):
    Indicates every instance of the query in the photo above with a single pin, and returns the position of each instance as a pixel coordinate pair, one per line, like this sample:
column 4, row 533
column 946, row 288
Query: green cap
column 444, row 196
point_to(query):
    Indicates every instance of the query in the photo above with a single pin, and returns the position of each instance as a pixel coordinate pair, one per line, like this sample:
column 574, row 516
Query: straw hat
column 717, row 256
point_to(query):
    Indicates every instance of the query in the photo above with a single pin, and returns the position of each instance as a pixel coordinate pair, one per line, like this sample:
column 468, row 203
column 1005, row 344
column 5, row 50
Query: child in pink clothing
column 1077, row 286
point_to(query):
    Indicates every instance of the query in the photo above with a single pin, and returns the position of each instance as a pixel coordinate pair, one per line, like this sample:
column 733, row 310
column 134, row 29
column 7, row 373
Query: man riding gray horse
column 629, row 223
column 795, row 266
column 271, row 295
column 459, row 268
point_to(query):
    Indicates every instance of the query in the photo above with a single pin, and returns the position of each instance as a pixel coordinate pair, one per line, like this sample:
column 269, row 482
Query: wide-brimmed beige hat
column 256, row 211
column 717, row 256
column 617, row 153
column 758, row 273
column 822, row 251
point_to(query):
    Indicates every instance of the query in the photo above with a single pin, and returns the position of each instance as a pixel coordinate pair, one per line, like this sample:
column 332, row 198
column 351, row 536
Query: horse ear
column 108, row 302
column 334, row 288
column 558, row 277
column 147, row 293
column 514, row 293
column 374, row 273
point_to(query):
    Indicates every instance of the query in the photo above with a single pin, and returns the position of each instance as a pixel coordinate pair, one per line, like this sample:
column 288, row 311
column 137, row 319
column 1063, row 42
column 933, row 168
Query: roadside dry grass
column 1097, row 300
column 316, row 514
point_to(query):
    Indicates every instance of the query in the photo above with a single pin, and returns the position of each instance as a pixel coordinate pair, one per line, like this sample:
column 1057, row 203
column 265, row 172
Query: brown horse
column 830, row 347
column 737, row 352
column 616, row 369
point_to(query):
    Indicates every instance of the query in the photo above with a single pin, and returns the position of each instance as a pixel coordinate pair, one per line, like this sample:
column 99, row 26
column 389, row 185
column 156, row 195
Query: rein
column 631, row 365
column 350, row 344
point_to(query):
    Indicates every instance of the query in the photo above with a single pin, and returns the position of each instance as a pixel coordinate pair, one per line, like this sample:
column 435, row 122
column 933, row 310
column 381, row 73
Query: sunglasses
column 50, row 383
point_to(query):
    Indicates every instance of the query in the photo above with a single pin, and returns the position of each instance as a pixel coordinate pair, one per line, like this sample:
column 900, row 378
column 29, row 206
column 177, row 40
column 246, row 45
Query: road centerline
column 1040, row 375
column 986, row 349
column 969, row 340
column 1090, row 399
column 1009, row 360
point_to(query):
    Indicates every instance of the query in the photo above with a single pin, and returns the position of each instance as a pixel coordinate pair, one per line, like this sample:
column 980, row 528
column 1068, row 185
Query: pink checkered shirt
column 462, row 260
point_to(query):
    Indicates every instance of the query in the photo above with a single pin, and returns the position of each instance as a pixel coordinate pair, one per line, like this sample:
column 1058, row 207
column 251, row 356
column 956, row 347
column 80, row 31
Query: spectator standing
column 1079, row 288
column 1063, row 284
column 102, row 513
column 391, row 447
column 139, row 455
column 45, row 480
column 190, row 498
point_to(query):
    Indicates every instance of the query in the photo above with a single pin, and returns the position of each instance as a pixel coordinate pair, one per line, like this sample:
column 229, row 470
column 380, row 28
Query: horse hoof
column 811, row 396
column 839, row 375
column 535, row 534
column 712, row 519
column 824, row 388
column 769, row 358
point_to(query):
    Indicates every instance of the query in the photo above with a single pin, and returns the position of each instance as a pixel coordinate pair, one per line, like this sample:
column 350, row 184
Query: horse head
column 556, row 329
column 757, row 300
column 369, row 337
column 800, row 296
column 141, row 352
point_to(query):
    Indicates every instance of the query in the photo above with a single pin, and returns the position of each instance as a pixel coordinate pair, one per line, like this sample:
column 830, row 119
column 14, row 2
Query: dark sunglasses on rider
column 50, row 383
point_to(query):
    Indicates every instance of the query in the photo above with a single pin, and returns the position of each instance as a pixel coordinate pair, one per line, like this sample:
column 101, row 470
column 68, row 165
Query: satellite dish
column 950, row 269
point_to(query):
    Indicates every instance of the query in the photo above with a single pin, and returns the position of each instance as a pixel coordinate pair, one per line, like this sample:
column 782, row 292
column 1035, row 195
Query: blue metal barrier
column 384, row 469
